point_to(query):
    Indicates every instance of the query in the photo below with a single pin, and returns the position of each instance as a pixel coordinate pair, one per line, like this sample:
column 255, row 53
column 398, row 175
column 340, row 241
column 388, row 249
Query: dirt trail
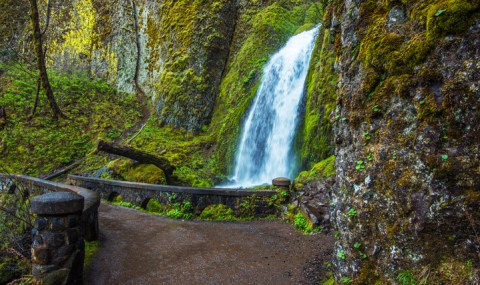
column 138, row 248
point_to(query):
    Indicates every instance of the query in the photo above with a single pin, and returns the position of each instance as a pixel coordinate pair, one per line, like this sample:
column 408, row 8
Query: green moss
column 330, row 281
column 127, row 205
column 91, row 248
column 153, row 206
column 321, row 170
column 315, row 138
column 457, row 17
column 40, row 145
column 119, row 166
column 217, row 212
column 146, row 173
column 400, row 52
column 117, row 199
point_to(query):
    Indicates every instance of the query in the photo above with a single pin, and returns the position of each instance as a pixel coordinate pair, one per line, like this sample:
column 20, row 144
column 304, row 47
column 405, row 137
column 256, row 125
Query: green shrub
column 302, row 224
column 154, row 206
column 181, row 211
column 217, row 212
column 175, row 214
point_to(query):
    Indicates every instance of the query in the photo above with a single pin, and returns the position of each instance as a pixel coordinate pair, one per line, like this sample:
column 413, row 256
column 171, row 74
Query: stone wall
column 140, row 193
column 38, row 186
column 65, row 216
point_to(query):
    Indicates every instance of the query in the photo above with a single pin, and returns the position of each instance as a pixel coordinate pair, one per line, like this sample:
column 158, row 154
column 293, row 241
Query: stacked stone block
column 58, row 247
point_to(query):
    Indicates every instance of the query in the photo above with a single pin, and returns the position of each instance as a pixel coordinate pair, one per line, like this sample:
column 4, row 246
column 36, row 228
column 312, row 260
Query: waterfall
column 266, row 146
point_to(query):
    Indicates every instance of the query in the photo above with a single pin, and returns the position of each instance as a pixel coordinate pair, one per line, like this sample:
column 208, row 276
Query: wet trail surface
column 138, row 248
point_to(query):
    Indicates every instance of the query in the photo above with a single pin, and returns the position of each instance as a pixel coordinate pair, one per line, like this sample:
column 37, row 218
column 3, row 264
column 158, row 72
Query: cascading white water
column 265, row 150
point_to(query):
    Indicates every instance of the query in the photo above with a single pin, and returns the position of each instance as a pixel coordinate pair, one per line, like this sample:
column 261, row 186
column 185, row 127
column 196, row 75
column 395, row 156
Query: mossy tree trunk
column 38, row 46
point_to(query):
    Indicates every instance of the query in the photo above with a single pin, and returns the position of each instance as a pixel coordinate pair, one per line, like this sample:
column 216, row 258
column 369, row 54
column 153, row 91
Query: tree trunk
column 137, row 41
column 38, row 46
column 139, row 156
column 37, row 95
column 3, row 117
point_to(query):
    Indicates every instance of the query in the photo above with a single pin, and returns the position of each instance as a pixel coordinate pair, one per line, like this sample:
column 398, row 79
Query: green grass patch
column 91, row 248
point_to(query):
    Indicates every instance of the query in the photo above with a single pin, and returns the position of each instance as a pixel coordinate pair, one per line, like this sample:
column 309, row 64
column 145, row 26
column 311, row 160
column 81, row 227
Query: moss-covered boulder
column 130, row 171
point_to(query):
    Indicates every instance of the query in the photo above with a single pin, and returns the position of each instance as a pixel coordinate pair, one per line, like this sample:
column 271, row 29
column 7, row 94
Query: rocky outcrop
column 314, row 202
column 406, row 131
column 195, row 40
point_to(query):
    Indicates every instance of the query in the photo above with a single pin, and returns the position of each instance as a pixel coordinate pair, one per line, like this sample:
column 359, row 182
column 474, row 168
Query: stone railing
column 66, row 215
column 140, row 194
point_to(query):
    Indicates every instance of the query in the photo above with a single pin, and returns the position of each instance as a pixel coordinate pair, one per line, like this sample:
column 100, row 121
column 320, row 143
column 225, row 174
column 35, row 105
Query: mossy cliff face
column 96, row 37
column 190, row 51
column 195, row 38
column 406, row 141
column 183, row 49
column 315, row 134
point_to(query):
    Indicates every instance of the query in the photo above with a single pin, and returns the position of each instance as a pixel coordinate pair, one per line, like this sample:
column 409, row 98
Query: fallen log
column 62, row 170
column 139, row 156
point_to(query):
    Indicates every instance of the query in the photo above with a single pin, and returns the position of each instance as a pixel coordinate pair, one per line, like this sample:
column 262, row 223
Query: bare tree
column 38, row 46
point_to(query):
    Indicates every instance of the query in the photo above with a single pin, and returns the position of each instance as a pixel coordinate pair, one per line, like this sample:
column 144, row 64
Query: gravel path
column 137, row 248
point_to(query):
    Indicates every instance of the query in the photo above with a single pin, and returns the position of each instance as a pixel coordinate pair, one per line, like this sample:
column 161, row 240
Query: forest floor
column 139, row 248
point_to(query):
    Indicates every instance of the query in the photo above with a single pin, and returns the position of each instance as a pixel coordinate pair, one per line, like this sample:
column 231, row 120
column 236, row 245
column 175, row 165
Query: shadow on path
column 137, row 248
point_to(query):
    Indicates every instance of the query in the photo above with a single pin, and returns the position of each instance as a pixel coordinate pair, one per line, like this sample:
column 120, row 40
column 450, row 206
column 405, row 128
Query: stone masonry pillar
column 281, row 182
column 58, row 247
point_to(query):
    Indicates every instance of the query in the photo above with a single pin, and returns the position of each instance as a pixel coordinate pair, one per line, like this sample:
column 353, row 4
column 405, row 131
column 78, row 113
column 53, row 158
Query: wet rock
column 313, row 202
column 396, row 16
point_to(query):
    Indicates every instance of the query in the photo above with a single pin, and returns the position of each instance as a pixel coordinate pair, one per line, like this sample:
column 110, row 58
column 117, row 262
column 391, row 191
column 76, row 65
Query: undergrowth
column 35, row 145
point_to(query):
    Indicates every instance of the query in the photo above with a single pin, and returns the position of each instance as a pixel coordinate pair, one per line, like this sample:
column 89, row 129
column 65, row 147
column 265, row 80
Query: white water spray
column 266, row 147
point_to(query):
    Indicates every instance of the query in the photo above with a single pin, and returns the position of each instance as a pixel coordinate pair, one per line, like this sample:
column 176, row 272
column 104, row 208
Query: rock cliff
column 406, row 199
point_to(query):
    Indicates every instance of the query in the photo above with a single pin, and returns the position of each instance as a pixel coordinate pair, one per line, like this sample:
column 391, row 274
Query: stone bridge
column 66, row 215
column 140, row 194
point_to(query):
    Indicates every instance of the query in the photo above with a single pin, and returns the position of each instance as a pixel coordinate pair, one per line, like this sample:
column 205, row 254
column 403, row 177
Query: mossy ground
column 40, row 145
column 189, row 153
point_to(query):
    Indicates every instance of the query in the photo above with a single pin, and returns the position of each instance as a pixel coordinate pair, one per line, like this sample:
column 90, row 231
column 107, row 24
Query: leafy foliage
column 406, row 278
column 301, row 224
column 217, row 212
